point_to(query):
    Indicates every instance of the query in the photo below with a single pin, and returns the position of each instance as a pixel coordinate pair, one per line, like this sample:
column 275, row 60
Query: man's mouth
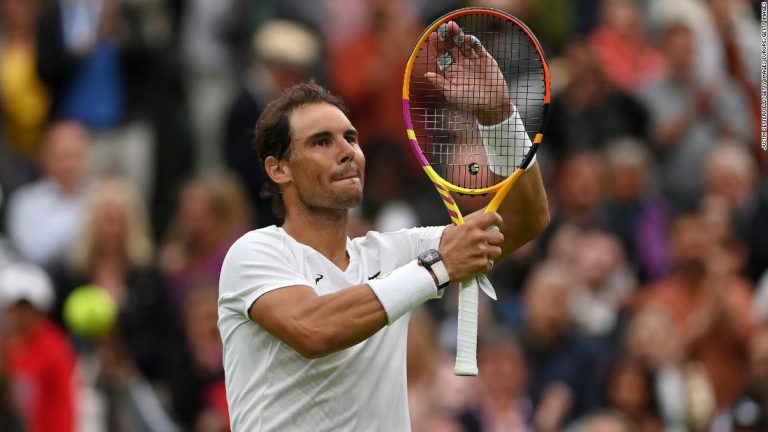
column 346, row 175
column 348, row 178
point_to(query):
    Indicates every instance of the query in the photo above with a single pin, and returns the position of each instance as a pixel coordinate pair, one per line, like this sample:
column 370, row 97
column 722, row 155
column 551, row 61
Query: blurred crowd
column 126, row 168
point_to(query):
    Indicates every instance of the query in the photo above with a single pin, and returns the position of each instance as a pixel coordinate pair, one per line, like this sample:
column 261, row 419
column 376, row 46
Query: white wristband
column 402, row 290
column 506, row 144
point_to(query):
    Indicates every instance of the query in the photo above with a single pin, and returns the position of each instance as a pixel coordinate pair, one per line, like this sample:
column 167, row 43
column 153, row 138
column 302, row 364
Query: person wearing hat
column 39, row 358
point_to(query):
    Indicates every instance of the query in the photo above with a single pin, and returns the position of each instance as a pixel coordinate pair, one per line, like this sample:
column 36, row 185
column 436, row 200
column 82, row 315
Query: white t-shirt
column 43, row 222
column 270, row 387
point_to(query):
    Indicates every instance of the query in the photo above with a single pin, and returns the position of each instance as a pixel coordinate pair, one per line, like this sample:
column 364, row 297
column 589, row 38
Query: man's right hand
column 469, row 249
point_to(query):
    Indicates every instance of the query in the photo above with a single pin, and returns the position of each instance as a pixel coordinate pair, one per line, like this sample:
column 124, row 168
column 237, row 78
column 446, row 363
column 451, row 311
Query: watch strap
column 441, row 273
column 432, row 260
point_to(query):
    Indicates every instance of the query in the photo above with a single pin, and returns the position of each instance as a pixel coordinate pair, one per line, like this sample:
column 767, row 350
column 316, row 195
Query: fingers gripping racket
column 475, row 98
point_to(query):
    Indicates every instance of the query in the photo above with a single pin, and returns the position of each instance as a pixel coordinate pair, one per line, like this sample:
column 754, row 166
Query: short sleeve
column 400, row 247
column 256, row 264
column 424, row 238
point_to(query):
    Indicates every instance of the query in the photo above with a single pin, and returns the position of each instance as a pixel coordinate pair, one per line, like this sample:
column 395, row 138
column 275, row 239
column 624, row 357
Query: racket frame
column 466, row 356
column 443, row 186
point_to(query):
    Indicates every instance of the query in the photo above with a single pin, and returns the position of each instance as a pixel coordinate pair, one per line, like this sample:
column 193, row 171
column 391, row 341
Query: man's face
column 65, row 155
column 548, row 302
column 691, row 241
column 679, row 46
column 504, row 369
column 325, row 161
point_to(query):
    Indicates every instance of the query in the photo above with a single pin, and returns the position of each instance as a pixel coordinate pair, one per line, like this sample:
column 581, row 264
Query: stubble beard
column 333, row 201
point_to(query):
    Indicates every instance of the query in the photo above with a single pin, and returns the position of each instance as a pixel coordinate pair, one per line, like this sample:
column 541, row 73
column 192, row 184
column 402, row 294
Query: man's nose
column 346, row 151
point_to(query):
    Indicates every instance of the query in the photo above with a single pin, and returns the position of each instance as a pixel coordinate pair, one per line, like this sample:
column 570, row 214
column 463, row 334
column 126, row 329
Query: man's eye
column 322, row 142
column 352, row 139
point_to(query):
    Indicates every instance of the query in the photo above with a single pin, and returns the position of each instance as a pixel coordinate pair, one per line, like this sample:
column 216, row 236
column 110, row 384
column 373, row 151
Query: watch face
column 430, row 256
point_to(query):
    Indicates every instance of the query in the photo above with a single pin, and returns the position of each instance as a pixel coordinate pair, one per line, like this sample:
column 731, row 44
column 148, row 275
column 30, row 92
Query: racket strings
column 448, row 132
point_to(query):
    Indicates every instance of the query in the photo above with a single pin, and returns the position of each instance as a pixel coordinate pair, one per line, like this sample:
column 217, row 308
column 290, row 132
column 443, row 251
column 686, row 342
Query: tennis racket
column 475, row 99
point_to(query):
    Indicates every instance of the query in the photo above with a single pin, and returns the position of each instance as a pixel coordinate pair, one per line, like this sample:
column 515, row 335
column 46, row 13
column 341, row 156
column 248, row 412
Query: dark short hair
column 273, row 130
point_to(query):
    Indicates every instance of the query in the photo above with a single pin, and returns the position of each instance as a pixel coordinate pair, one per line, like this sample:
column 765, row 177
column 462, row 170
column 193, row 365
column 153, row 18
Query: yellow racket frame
column 443, row 186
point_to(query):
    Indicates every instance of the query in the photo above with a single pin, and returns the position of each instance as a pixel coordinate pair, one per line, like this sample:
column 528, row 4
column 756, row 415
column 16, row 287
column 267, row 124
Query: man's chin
column 349, row 201
column 350, row 196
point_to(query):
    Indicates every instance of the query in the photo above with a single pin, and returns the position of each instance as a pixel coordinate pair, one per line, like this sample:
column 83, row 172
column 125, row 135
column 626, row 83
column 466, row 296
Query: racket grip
column 466, row 332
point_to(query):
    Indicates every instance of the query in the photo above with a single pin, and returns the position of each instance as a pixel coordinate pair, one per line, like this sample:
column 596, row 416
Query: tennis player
column 313, row 323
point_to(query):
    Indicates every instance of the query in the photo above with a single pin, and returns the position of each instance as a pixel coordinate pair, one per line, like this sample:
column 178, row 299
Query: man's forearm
column 316, row 326
column 525, row 211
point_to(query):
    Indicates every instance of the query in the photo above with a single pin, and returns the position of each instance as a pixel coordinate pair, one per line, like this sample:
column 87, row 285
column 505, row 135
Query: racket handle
column 466, row 332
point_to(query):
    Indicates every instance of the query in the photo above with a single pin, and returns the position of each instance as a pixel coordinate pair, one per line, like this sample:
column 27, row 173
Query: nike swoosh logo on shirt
column 375, row 276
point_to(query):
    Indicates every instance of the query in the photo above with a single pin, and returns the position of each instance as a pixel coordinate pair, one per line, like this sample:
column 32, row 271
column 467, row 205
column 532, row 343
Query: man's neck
column 323, row 230
column 67, row 188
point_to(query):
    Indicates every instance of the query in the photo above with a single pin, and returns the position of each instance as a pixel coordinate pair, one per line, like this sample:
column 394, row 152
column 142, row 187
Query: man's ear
column 277, row 170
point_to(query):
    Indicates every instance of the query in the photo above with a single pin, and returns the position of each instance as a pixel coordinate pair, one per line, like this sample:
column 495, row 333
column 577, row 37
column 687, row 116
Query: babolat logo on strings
column 473, row 168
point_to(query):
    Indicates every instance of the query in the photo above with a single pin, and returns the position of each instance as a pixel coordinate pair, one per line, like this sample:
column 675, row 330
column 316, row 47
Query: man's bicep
column 276, row 311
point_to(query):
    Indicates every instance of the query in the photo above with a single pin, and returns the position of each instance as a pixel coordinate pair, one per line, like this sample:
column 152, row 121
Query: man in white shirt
column 313, row 323
column 45, row 216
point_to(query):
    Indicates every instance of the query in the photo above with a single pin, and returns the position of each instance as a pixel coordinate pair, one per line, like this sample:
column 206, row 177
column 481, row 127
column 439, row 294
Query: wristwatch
column 433, row 261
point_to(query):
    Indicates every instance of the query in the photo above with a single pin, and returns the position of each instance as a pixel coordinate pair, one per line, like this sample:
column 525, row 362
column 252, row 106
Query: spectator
column 114, row 251
column 730, row 173
column 690, row 117
column 649, row 341
column 590, row 112
column 563, row 366
column 211, row 214
column 212, row 36
column 607, row 282
column 422, row 357
column 630, row 390
column 93, row 58
column 114, row 394
column 39, row 358
column 286, row 53
column 622, row 31
column 366, row 70
column 709, row 303
column 750, row 411
column 634, row 210
column 197, row 387
column 502, row 403
column 39, row 237
column 580, row 191
column 23, row 97
column 737, row 29
column 708, row 55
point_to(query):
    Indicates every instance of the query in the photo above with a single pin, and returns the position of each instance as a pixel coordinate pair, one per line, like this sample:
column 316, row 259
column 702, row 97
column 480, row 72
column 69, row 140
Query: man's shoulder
column 31, row 194
column 36, row 188
column 263, row 236
column 263, row 239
